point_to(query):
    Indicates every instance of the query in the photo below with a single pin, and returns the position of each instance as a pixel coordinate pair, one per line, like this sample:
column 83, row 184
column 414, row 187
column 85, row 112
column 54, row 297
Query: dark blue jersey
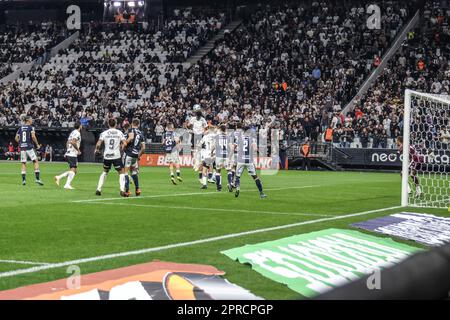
column 235, row 139
column 25, row 140
column 134, row 147
column 222, row 146
column 245, row 149
column 169, row 141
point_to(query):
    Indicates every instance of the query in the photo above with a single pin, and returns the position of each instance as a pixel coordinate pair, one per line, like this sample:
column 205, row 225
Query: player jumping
column 72, row 153
column 414, row 158
column 171, row 145
column 246, row 147
column 198, row 125
column 135, row 147
column 113, row 140
column 25, row 137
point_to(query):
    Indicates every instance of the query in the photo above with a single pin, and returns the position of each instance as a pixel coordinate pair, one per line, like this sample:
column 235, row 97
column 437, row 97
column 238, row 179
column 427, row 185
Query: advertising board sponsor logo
column 423, row 228
column 159, row 160
column 316, row 262
column 149, row 281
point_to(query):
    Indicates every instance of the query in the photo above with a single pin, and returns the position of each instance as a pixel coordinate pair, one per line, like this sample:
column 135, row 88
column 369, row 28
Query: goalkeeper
column 415, row 162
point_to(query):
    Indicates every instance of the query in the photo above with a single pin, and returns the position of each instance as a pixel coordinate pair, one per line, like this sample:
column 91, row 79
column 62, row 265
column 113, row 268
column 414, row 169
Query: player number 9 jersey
column 112, row 139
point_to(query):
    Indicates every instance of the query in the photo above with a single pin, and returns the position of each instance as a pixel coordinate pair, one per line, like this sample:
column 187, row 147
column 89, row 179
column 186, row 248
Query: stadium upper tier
column 421, row 64
column 294, row 67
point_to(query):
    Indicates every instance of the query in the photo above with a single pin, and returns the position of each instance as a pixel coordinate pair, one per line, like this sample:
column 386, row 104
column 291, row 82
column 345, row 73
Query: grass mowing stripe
column 23, row 262
column 208, row 209
column 184, row 244
column 186, row 194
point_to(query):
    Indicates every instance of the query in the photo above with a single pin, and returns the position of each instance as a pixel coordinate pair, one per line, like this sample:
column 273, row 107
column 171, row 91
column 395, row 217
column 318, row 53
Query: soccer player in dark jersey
column 414, row 164
column 233, row 156
column 221, row 150
column 246, row 147
column 25, row 137
column 171, row 143
column 134, row 148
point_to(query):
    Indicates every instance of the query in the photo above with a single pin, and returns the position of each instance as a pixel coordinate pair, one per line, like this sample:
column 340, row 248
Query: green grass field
column 51, row 225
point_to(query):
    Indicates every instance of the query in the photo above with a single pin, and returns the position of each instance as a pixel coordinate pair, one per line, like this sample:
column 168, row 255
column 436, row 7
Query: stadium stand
column 422, row 64
column 106, row 73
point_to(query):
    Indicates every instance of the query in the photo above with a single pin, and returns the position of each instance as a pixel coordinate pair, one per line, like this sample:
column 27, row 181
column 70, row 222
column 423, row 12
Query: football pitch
column 46, row 229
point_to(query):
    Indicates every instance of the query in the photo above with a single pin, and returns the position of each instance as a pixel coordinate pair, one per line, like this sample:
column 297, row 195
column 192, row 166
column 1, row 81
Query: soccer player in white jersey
column 198, row 125
column 72, row 153
column 206, row 146
column 114, row 141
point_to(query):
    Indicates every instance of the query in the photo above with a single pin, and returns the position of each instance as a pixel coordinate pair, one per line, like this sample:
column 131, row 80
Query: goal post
column 426, row 150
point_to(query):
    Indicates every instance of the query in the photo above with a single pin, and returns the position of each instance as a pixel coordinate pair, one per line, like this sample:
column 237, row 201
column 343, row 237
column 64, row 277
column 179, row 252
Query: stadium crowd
column 291, row 67
column 19, row 44
column 105, row 74
column 421, row 64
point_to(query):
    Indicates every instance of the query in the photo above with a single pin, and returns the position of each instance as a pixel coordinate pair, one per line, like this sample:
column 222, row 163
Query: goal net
column 426, row 150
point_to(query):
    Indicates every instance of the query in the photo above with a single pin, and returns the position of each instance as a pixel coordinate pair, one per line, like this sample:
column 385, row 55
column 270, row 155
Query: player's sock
column 37, row 174
column 230, row 177
column 200, row 176
column 135, row 180
column 63, row 175
column 233, row 175
column 238, row 182
column 259, row 185
column 416, row 181
column 127, row 183
column 218, row 180
column 178, row 172
column 70, row 178
column 122, row 182
column 210, row 175
column 24, row 176
column 101, row 181
column 204, row 181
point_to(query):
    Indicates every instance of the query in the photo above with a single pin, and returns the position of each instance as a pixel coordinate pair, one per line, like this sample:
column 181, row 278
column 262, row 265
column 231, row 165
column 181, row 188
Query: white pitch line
column 209, row 209
column 185, row 194
column 23, row 262
column 184, row 244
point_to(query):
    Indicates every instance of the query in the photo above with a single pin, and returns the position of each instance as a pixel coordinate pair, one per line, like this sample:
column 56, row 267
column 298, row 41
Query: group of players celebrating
column 215, row 148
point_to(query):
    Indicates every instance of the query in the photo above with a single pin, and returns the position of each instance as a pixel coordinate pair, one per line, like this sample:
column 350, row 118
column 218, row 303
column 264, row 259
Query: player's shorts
column 129, row 162
column 249, row 166
column 222, row 163
column 173, row 157
column 27, row 154
column 117, row 163
column 206, row 158
column 72, row 161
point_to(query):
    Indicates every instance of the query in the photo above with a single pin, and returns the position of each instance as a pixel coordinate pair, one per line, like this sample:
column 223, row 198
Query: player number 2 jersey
column 112, row 139
column 71, row 151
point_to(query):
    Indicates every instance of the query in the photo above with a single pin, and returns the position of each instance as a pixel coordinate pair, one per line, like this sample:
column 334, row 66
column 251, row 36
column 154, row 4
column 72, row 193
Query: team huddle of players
column 215, row 149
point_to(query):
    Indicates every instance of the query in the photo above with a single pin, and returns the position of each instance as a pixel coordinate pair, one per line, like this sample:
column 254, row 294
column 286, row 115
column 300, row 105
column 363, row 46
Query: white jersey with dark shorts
column 112, row 139
column 71, row 154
